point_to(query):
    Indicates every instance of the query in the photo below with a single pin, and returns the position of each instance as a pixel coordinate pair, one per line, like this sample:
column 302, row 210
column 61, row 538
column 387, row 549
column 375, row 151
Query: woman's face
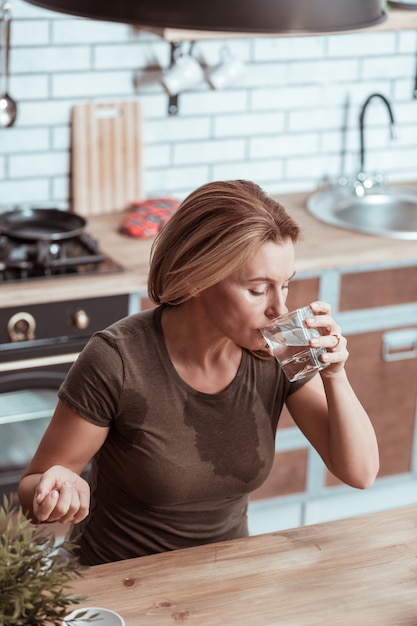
column 251, row 297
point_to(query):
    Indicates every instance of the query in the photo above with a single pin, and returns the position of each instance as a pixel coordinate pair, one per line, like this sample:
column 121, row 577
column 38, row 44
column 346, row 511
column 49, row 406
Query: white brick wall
column 280, row 125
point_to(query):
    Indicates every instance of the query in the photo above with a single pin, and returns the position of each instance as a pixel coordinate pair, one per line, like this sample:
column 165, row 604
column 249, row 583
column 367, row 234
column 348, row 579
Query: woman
column 178, row 406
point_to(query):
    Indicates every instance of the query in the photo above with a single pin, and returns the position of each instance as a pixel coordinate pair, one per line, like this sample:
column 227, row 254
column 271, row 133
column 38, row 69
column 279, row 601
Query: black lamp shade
column 246, row 16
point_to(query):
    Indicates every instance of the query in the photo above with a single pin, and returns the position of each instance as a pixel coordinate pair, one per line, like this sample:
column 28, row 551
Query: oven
column 38, row 345
column 40, row 342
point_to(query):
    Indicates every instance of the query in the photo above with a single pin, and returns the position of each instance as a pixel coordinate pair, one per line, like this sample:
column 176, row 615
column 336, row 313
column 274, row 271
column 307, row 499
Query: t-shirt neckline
column 166, row 360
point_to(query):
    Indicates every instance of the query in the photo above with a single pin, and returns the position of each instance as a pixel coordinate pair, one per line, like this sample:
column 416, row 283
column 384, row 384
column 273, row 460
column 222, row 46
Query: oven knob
column 21, row 327
column 81, row 319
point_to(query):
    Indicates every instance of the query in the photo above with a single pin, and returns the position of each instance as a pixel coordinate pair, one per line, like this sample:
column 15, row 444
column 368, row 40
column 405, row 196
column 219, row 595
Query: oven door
column 28, row 396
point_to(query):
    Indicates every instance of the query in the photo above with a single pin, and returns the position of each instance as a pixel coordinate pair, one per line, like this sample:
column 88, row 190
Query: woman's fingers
column 61, row 501
column 45, row 503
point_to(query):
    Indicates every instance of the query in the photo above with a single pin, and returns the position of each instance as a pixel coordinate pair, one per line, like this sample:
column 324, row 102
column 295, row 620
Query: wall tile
column 72, row 30
column 264, row 171
column 29, row 33
column 176, row 129
column 157, row 155
column 324, row 117
column 321, row 72
column 39, row 164
column 391, row 67
column 216, row 151
column 248, row 124
column 407, row 41
column 29, row 87
column 358, row 44
column 279, row 49
column 19, row 140
column 131, row 55
column 285, row 97
column 50, row 59
column 171, row 181
column 91, row 84
column 29, row 190
column 213, row 102
column 46, row 112
column 284, row 146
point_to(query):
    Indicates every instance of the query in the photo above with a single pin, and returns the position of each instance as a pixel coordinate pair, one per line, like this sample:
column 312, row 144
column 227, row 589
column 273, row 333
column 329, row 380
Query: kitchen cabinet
column 388, row 390
column 383, row 364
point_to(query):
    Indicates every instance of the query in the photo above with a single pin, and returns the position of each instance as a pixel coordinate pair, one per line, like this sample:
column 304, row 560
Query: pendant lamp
column 245, row 16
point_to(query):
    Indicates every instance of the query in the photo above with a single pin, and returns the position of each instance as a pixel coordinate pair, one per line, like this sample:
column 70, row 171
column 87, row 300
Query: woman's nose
column 276, row 309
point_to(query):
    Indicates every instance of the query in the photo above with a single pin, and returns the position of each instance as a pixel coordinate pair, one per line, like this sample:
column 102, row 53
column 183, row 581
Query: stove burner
column 25, row 260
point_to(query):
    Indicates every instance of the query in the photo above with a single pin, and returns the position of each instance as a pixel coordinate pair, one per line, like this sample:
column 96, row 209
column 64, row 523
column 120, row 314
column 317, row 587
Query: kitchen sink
column 388, row 212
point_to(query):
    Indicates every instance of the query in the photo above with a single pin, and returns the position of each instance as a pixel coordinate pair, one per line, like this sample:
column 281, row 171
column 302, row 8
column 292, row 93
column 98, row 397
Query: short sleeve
column 295, row 386
column 94, row 383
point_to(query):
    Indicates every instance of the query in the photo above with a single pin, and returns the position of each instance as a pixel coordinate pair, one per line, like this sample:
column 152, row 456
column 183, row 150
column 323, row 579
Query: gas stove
column 22, row 259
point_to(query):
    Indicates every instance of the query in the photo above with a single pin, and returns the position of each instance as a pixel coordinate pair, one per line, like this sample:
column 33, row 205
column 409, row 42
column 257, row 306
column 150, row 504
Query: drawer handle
column 399, row 344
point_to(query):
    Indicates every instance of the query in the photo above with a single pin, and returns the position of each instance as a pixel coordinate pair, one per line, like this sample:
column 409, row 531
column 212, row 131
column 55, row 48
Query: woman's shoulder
column 144, row 322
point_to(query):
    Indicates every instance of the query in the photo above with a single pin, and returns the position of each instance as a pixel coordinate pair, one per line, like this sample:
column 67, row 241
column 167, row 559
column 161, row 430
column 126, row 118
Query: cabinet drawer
column 366, row 290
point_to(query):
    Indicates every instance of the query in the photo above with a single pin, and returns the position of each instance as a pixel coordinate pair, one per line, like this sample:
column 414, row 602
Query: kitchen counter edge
column 322, row 247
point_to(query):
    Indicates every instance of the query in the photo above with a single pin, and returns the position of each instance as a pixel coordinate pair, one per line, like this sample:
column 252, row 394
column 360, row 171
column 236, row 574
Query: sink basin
column 390, row 212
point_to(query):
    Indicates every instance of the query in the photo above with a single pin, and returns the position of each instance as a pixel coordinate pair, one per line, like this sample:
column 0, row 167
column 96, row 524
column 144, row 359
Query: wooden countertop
column 323, row 247
column 360, row 571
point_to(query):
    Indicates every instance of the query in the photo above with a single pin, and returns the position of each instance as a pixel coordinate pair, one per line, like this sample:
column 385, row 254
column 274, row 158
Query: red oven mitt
column 146, row 218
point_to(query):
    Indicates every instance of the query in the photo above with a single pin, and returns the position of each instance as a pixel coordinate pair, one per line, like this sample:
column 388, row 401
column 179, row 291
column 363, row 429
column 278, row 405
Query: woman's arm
column 328, row 412
column 51, row 488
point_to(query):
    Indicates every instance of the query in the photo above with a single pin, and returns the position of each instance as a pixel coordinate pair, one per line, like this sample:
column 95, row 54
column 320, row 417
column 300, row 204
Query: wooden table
column 354, row 572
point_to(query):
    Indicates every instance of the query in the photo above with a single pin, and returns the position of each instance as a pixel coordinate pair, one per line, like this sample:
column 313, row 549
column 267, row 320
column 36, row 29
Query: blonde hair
column 214, row 232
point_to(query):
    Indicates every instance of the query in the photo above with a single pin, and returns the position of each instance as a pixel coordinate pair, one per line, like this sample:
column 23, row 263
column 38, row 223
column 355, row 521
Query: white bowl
column 93, row 616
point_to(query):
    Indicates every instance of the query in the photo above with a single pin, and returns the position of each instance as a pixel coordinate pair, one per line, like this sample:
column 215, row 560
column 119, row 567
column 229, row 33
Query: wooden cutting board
column 107, row 172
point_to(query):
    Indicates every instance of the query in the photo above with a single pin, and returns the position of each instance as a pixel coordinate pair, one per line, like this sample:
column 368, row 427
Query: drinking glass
column 288, row 338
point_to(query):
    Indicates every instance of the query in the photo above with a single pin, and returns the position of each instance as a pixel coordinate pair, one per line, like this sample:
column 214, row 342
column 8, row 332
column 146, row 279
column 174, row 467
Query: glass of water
column 288, row 338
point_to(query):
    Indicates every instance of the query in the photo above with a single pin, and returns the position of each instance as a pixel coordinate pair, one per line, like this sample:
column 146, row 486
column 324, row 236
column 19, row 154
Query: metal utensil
column 8, row 106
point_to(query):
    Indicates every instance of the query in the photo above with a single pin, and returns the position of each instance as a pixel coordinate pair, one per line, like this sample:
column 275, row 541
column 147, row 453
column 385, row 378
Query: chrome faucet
column 362, row 177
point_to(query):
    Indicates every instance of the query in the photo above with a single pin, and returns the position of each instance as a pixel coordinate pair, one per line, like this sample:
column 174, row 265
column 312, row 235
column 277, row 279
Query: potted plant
column 34, row 580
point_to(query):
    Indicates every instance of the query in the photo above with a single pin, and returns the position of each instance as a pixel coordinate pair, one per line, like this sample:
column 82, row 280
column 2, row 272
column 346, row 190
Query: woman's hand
column 61, row 496
column 331, row 338
column 328, row 412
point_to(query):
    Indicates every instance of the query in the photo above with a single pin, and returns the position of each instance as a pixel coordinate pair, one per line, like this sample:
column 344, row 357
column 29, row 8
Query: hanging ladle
column 8, row 107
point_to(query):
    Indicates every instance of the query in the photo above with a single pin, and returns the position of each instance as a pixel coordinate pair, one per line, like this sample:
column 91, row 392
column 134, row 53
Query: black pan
column 41, row 224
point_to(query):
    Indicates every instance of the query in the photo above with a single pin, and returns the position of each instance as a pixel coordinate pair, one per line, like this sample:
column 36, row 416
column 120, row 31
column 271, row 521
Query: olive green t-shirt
column 178, row 465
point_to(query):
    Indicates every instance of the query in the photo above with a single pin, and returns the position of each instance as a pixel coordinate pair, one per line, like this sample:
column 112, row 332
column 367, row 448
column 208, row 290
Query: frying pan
column 41, row 224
